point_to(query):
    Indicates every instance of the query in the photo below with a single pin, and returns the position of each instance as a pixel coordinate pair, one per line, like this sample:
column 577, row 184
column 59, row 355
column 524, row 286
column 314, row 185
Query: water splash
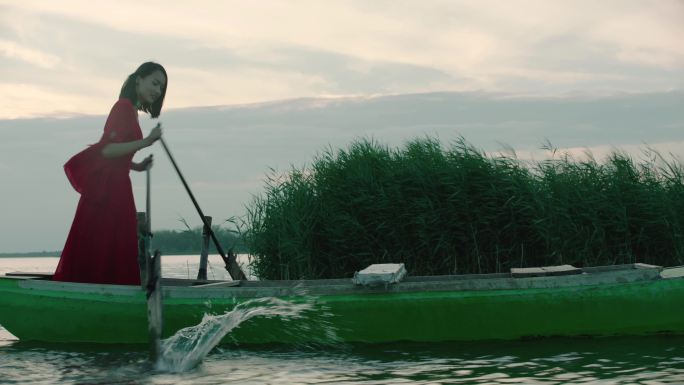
column 187, row 348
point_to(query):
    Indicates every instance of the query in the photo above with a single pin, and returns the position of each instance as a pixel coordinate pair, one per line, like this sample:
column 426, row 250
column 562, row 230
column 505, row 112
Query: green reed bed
column 456, row 210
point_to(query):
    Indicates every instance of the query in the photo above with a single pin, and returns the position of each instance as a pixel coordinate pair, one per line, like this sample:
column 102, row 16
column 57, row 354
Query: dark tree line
column 190, row 241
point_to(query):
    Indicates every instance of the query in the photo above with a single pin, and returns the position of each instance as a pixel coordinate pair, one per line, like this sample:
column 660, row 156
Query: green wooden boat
column 631, row 299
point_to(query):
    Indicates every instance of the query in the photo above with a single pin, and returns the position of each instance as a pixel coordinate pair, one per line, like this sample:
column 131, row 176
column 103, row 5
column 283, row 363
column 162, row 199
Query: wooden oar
column 148, row 223
column 231, row 263
column 154, row 306
column 153, row 284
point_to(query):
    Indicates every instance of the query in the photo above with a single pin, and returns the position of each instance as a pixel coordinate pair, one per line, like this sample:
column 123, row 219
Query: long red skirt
column 102, row 246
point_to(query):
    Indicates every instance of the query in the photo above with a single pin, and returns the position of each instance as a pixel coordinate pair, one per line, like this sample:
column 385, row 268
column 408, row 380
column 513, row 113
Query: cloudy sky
column 65, row 57
column 62, row 64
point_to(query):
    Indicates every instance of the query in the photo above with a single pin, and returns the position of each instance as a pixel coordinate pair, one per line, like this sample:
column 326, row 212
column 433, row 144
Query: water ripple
column 652, row 360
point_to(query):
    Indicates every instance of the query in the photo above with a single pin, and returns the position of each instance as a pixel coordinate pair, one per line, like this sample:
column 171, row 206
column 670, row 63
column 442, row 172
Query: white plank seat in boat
column 548, row 271
column 544, row 271
column 209, row 284
column 381, row 274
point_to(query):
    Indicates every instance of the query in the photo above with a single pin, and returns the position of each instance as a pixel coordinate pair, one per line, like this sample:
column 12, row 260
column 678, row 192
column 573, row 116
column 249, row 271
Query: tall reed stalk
column 457, row 210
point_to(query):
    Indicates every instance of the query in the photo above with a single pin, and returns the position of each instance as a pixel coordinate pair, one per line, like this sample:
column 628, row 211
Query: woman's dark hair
column 128, row 90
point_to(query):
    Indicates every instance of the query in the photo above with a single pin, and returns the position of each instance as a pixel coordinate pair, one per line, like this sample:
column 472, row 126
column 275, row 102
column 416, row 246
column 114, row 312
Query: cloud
column 452, row 36
column 21, row 100
column 648, row 35
column 12, row 50
column 240, row 52
column 200, row 74
column 654, row 153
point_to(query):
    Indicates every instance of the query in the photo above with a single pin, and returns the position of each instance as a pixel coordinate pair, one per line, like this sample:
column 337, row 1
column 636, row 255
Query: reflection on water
column 173, row 266
column 653, row 360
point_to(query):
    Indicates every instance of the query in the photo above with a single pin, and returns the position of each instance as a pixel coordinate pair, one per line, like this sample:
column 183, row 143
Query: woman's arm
column 115, row 150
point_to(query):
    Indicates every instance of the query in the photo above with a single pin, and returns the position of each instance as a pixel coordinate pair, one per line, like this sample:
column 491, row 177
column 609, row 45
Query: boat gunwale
column 604, row 275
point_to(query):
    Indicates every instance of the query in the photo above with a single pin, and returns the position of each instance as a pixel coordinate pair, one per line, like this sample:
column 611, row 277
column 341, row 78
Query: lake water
column 624, row 360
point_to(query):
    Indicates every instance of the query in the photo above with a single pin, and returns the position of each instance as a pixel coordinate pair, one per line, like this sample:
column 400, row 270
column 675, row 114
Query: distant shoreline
column 32, row 254
column 56, row 254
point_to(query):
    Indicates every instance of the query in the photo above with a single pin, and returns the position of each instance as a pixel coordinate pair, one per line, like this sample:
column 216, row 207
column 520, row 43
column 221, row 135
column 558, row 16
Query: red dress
column 102, row 245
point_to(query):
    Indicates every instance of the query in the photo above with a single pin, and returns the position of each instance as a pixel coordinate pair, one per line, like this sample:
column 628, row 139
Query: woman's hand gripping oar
column 231, row 263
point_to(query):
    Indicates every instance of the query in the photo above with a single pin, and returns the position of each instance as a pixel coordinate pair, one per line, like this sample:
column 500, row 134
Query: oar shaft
column 185, row 184
column 148, row 204
column 153, row 284
column 154, row 305
column 231, row 264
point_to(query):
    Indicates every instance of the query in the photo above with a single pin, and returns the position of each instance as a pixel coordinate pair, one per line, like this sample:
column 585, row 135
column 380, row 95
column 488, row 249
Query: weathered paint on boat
column 600, row 302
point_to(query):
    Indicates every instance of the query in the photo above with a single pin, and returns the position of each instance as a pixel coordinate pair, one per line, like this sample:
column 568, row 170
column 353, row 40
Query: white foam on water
column 187, row 348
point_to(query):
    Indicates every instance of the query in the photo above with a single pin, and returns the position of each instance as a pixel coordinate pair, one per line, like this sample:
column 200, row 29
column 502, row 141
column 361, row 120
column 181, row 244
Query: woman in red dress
column 102, row 245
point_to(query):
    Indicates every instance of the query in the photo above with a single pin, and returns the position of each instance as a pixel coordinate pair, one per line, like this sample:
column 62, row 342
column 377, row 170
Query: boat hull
column 465, row 310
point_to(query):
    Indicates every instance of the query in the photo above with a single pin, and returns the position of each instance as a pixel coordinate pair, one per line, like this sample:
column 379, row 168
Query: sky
column 266, row 84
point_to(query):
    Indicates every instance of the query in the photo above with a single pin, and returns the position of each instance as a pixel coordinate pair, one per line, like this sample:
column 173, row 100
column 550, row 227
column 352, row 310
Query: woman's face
column 150, row 87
